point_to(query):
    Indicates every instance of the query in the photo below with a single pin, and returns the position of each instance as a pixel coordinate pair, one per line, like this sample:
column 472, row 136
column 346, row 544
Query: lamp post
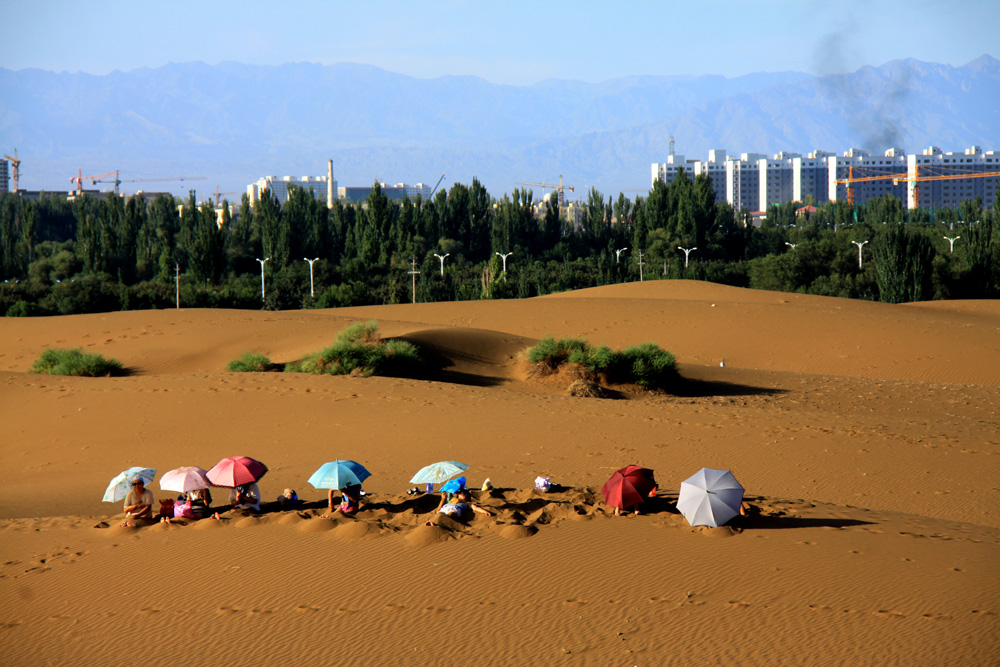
column 687, row 254
column 441, row 257
column 951, row 242
column 311, row 261
column 262, row 263
column 504, row 258
column 860, row 264
column 618, row 254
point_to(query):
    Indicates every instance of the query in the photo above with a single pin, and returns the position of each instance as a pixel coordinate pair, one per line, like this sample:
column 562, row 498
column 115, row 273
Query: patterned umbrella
column 338, row 475
column 236, row 471
column 438, row 472
column 122, row 483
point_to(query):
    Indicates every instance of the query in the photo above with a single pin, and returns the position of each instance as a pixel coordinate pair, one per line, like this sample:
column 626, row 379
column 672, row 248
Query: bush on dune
column 75, row 362
column 359, row 350
column 645, row 365
column 250, row 362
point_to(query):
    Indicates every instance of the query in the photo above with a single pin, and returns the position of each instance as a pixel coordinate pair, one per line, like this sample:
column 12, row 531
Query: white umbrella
column 187, row 478
column 438, row 472
column 122, row 483
column 710, row 497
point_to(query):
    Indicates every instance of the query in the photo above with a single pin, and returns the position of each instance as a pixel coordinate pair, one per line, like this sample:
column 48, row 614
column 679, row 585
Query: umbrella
column 122, row 483
column 339, row 474
column 629, row 486
column 451, row 486
column 710, row 497
column 438, row 472
column 236, row 471
column 184, row 479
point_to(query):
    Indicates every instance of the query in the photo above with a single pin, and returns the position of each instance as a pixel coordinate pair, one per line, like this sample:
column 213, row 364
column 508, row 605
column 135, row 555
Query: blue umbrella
column 452, row 486
column 438, row 472
column 339, row 474
column 122, row 483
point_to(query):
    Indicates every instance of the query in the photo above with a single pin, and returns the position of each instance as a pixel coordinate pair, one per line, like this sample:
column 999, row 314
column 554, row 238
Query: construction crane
column 218, row 195
column 558, row 188
column 436, row 187
column 79, row 179
column 916, row 180
column 117, row 181
column 16, row 166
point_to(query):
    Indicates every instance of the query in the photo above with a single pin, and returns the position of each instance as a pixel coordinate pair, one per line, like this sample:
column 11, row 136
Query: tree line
column 91, row 255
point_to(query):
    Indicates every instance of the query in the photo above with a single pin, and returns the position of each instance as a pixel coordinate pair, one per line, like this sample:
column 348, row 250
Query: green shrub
column 358, row 350
column 250, row 362
column 645, row 365
column 75, row 362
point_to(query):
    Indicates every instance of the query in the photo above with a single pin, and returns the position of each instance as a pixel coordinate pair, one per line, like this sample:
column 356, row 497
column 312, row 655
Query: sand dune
column 866, row 436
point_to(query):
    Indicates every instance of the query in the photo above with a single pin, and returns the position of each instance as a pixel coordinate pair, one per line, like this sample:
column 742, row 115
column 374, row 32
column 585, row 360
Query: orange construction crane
column 558, row 188
column 917, row 179
column 851, row 180
column 117, row 181
column 16, row 165
column 80, row 178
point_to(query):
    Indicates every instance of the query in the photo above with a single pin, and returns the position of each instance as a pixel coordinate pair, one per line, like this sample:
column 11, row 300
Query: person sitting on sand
column 349, row 503
column 201, row 501
column 459, row 503
column 138, row 502
column 245, row 496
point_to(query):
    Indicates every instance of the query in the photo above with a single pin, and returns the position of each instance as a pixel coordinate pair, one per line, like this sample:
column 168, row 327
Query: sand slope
column 866, row 435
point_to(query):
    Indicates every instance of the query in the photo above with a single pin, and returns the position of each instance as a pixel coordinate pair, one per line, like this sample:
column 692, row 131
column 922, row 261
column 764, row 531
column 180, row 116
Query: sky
column 514, row 42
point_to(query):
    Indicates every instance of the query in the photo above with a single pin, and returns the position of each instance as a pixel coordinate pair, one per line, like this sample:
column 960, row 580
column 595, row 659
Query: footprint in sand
column 574, row 602
column 150, row 610
column 889, row 613
column 436, row 610
column 229, row 610
column 738, row 603
column 305, row 607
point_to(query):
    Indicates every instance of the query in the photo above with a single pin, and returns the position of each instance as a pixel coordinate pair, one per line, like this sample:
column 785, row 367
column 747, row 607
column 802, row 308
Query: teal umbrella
column 438, row 472
column 122, row 483
column 339, row 474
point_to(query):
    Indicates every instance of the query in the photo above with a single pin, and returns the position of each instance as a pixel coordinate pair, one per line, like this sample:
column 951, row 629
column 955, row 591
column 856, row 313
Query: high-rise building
column 4, row 177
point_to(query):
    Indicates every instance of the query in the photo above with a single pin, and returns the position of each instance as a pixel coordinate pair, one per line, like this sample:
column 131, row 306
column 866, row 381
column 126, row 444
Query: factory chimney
column 329, row 184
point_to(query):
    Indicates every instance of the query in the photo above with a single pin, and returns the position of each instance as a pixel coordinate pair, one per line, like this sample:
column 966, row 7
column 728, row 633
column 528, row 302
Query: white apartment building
column 279, row 187
column 932, row 179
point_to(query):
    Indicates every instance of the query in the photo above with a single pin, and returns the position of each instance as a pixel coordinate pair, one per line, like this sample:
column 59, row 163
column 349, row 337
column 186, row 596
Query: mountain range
column 234, row 123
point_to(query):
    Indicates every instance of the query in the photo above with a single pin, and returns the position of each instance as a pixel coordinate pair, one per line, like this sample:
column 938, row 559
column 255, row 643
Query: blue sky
column 513, row 42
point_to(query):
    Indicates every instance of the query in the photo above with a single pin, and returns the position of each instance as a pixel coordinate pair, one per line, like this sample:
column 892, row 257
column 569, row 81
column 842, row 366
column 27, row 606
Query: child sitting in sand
column 458, row 504
column 349, row 503
column 138, row 503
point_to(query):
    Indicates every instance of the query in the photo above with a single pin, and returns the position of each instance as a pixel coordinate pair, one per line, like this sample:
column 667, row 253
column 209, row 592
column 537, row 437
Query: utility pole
column 441, row 257
column 859, row 251
column 311, row 292
column 262, row 263
column 178, row 284
column 414, row 272
column 638, row 254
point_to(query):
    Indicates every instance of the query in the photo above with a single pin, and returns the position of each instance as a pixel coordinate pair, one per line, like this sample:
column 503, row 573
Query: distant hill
column 234, row 123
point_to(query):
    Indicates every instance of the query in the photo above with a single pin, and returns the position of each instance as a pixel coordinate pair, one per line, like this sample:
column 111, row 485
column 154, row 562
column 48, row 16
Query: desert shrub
column 249, row 362
column 645, row 365
column 359, row 350
column 75, row 362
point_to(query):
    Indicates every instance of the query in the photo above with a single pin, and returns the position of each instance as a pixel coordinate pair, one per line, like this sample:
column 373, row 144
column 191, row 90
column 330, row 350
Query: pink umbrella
column 236, row 470
column 184, row 479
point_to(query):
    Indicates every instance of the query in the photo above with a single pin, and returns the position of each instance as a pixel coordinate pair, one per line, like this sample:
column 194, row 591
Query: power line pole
column 414, row 272
column 178, row 280
column 638, row 254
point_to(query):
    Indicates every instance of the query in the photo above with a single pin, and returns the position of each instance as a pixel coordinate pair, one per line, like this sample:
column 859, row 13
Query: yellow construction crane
column 558, row 188
column 99, row 178
column 218, row 195
column 916, row 179
column 16, row 166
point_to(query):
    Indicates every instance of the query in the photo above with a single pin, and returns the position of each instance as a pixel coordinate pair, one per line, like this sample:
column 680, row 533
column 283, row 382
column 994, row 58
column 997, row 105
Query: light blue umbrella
column 338, row 475
column 453, row 485
column 438, row 472
column 122, row 484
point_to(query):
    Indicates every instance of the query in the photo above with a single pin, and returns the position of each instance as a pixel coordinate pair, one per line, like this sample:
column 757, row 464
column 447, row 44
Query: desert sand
column 866, row 435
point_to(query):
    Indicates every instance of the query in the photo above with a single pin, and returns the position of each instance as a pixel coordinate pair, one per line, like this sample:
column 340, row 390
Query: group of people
column 197, row 504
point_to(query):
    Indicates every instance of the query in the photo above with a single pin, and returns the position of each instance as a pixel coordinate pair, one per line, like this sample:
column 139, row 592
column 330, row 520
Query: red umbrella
column 236, row 470
column 629, row 486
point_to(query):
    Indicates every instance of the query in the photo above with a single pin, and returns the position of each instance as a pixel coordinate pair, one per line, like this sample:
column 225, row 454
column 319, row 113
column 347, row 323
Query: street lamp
column 687, row 253
column 504, row 258
column 859, row 251
column 951, row 242
column 618, row 254
column 311, row 292
column 791, row 245
column 262, row 263
column 441, row 257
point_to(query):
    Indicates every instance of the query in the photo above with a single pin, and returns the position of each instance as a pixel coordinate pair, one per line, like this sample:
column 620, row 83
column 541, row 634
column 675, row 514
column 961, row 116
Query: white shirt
column 251, row 492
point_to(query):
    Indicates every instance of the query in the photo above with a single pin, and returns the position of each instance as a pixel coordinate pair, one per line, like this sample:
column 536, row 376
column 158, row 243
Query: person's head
column 138, row 484
column 462, row 493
